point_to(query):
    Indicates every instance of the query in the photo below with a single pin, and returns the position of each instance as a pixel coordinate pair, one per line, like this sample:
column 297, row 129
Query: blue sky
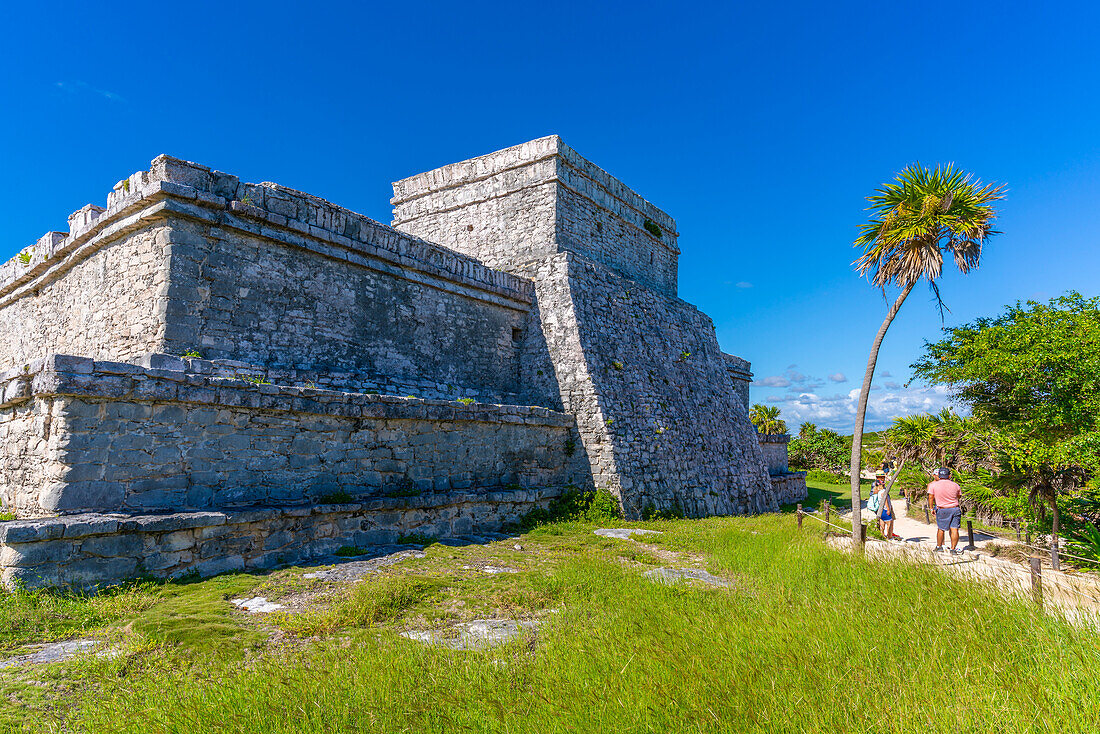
column 760, row 127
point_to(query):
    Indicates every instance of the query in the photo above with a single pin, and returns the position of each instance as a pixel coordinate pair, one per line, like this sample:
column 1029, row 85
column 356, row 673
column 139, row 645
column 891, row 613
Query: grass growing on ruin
column 788, row 648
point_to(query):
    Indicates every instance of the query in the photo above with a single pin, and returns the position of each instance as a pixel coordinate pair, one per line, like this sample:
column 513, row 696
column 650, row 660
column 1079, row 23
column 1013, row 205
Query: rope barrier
column 826, row 522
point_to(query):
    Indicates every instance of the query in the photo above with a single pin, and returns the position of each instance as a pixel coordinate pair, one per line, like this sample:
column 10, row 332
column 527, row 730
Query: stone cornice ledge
column 65, row 375
column 263, row 209
column 90, row 524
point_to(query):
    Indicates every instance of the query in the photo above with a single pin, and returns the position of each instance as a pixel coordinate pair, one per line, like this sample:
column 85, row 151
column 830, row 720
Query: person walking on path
column 883, row 508
column 943, row 495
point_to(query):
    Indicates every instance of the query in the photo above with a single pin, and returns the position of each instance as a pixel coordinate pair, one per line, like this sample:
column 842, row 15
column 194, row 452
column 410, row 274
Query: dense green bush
column 818, row 449
column 592, row 506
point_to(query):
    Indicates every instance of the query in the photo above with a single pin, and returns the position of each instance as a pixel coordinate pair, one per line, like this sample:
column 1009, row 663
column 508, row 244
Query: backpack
column 874, row 502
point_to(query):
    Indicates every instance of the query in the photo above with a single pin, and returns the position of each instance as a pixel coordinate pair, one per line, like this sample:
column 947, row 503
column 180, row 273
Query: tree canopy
column 816, row 448
column 766, row 419
column 1033, row 375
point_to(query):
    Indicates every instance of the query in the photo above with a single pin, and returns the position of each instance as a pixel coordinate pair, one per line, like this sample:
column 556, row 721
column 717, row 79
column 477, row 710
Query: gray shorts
column 948, row 517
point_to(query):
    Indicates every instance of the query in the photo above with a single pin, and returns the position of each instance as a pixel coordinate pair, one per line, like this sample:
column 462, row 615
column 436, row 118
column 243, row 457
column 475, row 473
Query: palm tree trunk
column 861, row 414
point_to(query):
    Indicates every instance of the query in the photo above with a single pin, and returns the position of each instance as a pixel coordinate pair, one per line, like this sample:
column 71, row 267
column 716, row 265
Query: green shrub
column 592, row 506
column 652, row 228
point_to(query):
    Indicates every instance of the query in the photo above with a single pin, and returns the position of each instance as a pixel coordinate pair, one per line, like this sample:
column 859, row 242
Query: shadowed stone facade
column 516, row 332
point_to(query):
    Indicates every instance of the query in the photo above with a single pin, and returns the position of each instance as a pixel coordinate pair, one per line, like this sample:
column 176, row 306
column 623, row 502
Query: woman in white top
column 884, row 508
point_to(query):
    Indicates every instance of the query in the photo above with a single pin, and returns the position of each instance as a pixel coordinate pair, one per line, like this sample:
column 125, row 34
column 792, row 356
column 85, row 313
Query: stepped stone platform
column 277, row 375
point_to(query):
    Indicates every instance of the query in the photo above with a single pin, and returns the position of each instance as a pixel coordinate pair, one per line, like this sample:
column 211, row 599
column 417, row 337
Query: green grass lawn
column 838, row 495
column 785, row 649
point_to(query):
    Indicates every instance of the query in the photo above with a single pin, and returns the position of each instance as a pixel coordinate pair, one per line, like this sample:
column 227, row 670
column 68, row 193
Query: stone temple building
column 210, row 375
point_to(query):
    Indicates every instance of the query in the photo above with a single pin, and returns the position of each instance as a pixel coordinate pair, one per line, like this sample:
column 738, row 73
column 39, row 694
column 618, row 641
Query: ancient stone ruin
column 211, row 375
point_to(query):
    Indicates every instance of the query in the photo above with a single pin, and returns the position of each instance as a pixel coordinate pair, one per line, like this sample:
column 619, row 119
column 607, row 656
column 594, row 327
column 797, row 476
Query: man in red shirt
column 943, row 495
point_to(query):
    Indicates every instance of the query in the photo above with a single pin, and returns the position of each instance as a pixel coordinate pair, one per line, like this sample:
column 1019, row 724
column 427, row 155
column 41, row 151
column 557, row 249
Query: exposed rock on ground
column 373, row 559
column 625, row 533
column 257, row 605
column 673, row 575
column 476, row 634
column 51, row 653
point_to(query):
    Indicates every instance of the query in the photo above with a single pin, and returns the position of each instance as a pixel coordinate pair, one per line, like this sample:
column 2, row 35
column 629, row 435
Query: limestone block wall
column 255, row 300
column 105, row 300
column 187, row 258
column 111, row 437
column 658, row 415
column 90, row 550
column 530, row 200
column 774, row 448
column 789, row 486
column 740, row 373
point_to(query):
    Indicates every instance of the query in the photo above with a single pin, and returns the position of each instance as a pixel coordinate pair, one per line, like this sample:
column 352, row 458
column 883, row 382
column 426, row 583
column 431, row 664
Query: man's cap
column 943, row 473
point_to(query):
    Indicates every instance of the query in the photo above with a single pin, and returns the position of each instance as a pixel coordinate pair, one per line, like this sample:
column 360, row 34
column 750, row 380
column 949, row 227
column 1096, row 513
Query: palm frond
column 921, row 216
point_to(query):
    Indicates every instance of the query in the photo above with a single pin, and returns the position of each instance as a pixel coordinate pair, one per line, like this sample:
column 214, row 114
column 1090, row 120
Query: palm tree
column 766, row 419
column 916, row 220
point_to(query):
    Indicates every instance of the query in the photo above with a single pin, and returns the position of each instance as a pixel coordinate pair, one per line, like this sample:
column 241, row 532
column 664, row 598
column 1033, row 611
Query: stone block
column 113, row 545
column 98, row 571
column 30, row 531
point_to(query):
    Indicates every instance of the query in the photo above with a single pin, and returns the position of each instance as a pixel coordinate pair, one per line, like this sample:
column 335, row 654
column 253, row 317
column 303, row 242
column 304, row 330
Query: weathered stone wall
column 789, row 486
column 774, row 448
column 105, row 301
column 186, row 258
column 28, row 451
column 657, row 412
column 534, row 199
column 89, row 550
column 741, row 375
column 125, row 438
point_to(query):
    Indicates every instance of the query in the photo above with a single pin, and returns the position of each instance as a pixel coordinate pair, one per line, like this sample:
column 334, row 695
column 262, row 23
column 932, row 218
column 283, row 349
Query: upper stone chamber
column 525, row 202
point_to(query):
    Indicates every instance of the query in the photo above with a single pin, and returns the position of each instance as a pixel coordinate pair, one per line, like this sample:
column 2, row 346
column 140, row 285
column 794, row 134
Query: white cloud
column 838, row 411
column 838, row 377
column 744, row 284
column 78, row 87
column 774, row 381
column 892, row 386
column 885, row 373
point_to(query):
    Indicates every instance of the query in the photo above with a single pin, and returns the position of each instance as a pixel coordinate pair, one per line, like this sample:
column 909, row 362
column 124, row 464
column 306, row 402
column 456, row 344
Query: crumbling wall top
column 268, row 203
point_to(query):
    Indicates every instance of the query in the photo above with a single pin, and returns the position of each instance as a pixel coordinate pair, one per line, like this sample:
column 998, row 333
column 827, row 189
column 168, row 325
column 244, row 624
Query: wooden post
column 1054, row 553
column 1027, row 534
column 927, row 518
column 1017, row 531
column 863, row 532
column 798, row 511
column 970, row 535
column 1037, row 580
column 827, row 508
